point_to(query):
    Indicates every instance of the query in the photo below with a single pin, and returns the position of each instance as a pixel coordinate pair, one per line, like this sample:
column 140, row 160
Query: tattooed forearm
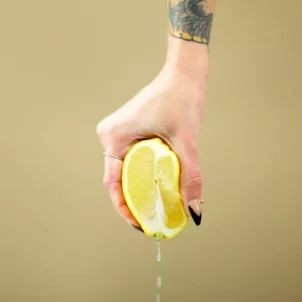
column 191, row 20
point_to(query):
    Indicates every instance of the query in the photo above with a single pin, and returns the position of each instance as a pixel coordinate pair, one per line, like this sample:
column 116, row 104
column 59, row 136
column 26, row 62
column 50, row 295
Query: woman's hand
column 171, row 108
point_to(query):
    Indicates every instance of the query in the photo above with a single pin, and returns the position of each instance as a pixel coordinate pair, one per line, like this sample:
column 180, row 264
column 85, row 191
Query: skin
column 170, row 107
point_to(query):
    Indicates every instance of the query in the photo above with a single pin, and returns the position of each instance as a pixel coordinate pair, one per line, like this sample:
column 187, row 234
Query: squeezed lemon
column 150, row 182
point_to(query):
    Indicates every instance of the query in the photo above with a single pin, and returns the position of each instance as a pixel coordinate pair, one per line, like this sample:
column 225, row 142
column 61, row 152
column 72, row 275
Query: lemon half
column 150, row 182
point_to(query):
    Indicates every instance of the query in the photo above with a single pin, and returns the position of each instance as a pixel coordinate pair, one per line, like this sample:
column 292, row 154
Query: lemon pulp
column 150, row 182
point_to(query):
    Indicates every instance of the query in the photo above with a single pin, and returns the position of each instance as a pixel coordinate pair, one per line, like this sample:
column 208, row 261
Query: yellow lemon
column 150, row 181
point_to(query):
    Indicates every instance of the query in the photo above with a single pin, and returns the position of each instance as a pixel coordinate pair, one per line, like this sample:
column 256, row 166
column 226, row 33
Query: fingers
column 190, row 180
column 113, row 183
column 111, row 141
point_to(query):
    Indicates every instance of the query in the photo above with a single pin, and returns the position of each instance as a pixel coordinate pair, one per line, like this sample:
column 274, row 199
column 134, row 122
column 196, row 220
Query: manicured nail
column 138, row 228
column 195, row 211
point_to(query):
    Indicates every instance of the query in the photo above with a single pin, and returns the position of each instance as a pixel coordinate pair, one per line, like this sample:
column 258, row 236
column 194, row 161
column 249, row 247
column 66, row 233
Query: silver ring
column 112, row 155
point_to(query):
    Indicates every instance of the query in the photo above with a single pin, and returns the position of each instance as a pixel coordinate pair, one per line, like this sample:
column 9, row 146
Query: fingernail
column 195, row 211
column 138, row 228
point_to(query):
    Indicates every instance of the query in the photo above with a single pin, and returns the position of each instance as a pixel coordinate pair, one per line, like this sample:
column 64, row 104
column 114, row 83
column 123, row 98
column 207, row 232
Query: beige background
column 64, row 65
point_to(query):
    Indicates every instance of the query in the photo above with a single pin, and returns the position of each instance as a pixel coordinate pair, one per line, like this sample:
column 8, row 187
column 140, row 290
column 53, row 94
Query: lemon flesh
column 150, row 182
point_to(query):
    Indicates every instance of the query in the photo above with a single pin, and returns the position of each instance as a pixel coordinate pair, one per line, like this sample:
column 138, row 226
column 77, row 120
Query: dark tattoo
column 191, row 20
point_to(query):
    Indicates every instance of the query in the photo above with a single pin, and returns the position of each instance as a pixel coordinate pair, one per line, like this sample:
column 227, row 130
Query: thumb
column 190, row 179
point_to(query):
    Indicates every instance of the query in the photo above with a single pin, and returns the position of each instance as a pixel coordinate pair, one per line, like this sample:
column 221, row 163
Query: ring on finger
column 112, row 155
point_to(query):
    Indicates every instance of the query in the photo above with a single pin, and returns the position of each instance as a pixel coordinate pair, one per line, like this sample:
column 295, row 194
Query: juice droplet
column 158, row 257
column 158, row 282
column 158, row 298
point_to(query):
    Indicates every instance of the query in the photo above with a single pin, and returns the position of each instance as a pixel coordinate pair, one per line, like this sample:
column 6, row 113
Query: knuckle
column 195, row 182
column 110, row 184
column 106, row 130
column 106, row 181
column 194, row 188
column 100, row 128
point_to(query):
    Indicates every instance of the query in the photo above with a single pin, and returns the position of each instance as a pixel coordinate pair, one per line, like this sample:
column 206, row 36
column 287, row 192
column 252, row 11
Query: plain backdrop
column 65, row 65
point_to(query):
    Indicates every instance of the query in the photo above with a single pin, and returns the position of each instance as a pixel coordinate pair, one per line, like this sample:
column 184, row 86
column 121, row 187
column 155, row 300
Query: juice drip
column 158, row 279
column 158, row 257
column 158, row 283
column 158, row 297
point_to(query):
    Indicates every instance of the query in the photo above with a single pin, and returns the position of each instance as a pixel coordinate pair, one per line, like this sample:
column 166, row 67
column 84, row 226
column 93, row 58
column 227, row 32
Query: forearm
column 190, row 24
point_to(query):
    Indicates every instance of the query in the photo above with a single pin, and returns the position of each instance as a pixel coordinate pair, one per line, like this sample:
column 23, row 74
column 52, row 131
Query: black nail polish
column 138, row 228
column 196, row 218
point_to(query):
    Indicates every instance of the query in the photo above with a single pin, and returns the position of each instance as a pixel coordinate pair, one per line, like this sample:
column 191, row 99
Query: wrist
column 187, row 58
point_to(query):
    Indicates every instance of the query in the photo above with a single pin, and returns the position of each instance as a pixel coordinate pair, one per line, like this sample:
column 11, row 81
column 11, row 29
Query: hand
column 170, row 107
